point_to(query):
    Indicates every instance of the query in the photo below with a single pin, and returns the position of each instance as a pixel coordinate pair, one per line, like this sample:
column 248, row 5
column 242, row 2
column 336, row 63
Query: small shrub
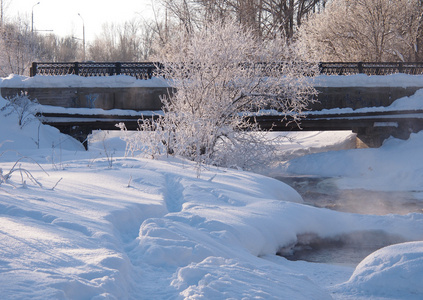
column 22, row 106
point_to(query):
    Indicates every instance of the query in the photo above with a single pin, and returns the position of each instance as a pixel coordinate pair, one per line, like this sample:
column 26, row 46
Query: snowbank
column 300, row 143
column 394, row 272
column 413, row 102
column 395, row 166
column 33, row 135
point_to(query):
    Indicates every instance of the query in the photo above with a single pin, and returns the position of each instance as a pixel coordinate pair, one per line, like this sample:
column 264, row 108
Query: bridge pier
column 373, row 137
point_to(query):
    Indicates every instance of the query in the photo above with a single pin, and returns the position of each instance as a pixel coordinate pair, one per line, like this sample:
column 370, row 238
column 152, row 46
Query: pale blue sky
column 61, row 16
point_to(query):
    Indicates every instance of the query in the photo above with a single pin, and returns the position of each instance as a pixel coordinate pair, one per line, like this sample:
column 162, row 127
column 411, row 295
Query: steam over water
column 322, row 192
column 347, row 249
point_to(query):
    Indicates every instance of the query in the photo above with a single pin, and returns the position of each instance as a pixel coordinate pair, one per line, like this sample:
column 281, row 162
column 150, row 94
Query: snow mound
column 393, row 272
column 32, row 135
column 219, row 278
column 408, row 103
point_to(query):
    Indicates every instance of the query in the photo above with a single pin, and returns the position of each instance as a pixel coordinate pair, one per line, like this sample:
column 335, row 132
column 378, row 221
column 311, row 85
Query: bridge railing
column 146, row 70
column 370, row 68
column 139, row 70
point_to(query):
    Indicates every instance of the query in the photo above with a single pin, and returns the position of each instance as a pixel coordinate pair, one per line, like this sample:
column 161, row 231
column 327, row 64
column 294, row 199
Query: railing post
column 118, row 68
column 320, row 68
column 360, row 67
column 150, row 72
column 33, row 70
column 76, row 68
column 400, row 67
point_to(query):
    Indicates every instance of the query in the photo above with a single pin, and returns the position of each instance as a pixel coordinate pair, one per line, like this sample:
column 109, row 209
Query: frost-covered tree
column 286, row 16
column 17, row 48
column 220, row 73
column 58, row 49
column 364, row 30
column 129, row 41
column 266, row 18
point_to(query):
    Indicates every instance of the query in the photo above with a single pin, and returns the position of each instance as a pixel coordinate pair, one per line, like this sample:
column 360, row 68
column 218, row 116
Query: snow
column 33, row 137
column 410, row 103
column 93, row 111
column 106, row 226
column 67, row 81
column 392, row 272
column 362, row 80
column 396, row 166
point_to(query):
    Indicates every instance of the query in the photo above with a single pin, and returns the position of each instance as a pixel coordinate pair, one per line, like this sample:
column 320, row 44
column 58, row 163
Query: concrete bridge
column 371, row 127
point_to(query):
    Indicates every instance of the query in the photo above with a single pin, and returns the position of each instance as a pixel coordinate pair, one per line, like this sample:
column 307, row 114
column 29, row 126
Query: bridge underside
column 371, row 128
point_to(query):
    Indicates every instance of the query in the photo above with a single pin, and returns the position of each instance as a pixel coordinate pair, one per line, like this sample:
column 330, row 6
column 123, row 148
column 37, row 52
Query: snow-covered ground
column 94, row 224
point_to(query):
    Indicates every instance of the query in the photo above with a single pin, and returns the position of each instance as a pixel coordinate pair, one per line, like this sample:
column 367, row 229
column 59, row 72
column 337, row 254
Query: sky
column 61, row 16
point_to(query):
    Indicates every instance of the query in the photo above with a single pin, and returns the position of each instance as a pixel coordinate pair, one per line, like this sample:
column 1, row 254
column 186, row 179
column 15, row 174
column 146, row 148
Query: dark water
column 352, row 248
column 347, row 249
column 323, row 192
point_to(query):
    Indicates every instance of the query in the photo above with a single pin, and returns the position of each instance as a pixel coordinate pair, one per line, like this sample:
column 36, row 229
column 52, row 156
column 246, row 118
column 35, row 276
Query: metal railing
column 147, row 70
column 370, row 68
column 139, row 70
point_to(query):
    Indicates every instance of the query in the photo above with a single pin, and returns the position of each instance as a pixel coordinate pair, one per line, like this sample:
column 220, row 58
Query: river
column 348, row 249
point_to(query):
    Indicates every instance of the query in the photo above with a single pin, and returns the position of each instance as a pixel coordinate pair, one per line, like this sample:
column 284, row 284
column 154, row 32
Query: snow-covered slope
column 104, row 226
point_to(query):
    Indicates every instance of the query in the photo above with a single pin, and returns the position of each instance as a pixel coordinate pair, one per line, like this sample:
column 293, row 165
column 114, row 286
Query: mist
column 323, row 192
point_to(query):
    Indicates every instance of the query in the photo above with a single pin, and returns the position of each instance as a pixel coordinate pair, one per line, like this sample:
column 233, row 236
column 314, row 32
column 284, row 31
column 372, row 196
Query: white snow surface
column 396, row 166
column 391, row 272
column 408, row 103
column 64, row 81
column 104, row 226
column 362, row 80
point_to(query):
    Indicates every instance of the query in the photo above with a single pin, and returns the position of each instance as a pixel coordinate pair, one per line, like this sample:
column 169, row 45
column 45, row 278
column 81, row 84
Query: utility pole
column 83, row 36
column 32, row 18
